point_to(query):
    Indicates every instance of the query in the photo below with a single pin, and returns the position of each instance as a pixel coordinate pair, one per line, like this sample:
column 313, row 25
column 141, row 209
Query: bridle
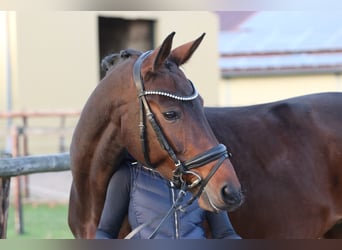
column 218, row 152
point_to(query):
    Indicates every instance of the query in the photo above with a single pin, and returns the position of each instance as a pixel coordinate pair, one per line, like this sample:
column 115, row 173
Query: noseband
column 218, row 152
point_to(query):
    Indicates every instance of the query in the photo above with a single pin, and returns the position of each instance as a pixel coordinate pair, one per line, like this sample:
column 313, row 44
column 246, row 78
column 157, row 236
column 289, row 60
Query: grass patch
column 41, row 221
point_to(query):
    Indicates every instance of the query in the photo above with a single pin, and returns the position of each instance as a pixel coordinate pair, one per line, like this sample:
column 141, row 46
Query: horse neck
column 99, row 127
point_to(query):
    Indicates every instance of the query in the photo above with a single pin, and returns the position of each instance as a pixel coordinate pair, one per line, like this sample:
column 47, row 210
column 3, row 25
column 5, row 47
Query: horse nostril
column 230, row 196
column 225, row 192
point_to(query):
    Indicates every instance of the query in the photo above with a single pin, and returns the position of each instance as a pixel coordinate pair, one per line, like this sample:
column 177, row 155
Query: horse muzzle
column 228, row 199
column 217, row 191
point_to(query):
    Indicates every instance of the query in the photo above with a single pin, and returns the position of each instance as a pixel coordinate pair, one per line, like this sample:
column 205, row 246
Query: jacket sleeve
column 116, row 204
column 220, row 226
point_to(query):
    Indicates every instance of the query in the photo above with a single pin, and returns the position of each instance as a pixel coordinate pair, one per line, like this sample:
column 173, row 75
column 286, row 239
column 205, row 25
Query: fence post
column 4, row 201
column 25, row 153
column 18, row 208
column 61, row 137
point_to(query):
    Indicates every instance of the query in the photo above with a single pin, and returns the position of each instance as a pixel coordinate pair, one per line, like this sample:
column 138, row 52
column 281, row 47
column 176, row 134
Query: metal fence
column 15, row 167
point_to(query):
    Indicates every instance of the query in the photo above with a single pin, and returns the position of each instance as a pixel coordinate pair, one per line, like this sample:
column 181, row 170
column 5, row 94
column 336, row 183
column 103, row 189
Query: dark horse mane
column 111, row 60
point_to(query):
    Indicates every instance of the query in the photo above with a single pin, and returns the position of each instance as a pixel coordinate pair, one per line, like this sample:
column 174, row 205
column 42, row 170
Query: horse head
column 164, row 127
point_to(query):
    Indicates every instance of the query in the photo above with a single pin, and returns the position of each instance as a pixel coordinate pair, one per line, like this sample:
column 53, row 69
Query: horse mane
column 113, row 59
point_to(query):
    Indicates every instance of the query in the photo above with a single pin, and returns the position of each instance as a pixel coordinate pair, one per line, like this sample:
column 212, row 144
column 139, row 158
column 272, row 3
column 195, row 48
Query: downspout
column 8, row 79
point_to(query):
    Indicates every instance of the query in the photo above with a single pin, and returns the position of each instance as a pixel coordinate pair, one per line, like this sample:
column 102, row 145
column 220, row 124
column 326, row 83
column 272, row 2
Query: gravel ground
column 47, row 187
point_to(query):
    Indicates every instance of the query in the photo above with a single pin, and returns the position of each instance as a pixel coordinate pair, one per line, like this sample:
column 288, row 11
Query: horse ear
column 182, row 54
column 160, row 54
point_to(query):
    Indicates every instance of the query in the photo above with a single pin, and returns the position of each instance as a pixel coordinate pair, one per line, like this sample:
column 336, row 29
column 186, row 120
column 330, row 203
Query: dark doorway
column 116, row 34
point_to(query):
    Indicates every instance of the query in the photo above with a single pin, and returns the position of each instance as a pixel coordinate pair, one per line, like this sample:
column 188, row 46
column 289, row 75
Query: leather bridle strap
column 204, row 183
column 206, row 157
column 212, row 154
column 145, row 108
column 138, row 83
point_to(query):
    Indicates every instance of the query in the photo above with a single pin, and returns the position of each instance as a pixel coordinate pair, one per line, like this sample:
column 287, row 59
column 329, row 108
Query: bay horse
column 288, row 158
column 146, row 105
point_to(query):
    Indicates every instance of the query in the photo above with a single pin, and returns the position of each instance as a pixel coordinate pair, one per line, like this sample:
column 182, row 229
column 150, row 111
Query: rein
column 176, row 206
column 218, row 152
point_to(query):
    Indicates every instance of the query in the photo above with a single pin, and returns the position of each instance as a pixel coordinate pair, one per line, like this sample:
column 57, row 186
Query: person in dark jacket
column 146, row 196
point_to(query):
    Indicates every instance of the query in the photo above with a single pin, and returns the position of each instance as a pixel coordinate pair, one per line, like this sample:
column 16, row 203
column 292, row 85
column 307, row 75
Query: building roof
column 273, row 42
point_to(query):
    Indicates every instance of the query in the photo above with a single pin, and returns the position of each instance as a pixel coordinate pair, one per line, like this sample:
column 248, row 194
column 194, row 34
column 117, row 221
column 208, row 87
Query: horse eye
column 171, row 115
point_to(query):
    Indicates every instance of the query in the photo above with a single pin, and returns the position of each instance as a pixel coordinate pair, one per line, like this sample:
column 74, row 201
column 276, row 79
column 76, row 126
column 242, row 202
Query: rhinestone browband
column 179, row 98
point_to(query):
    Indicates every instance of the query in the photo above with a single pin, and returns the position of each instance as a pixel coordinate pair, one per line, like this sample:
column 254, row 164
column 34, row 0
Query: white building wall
column 56, row 53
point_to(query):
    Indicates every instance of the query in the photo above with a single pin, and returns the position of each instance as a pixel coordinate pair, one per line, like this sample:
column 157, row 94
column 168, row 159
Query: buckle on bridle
column 196, row 182
column 178, row 164
column 177, row 179
column 179, row 182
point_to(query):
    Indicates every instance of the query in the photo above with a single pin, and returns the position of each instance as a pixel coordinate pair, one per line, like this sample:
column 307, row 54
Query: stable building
column 267, row 56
